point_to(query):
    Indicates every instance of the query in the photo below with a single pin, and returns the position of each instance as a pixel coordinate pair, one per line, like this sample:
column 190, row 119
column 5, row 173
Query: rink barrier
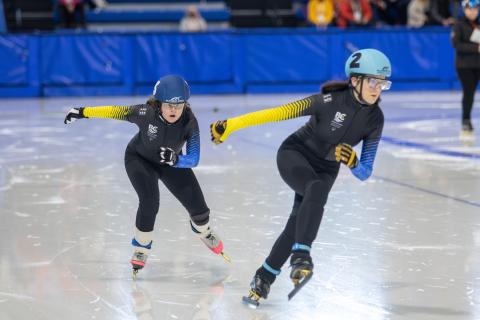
column 241, row 61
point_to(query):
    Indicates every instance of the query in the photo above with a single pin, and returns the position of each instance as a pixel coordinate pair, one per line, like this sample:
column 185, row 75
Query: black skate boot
column 259, row 288
column 302, row 271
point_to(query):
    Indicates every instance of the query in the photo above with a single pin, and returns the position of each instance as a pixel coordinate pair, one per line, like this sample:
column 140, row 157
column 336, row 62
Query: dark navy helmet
column 171, row 89
column 470, row 3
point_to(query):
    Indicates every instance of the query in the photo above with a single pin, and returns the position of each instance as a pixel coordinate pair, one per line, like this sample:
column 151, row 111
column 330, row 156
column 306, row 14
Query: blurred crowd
column 363, row 13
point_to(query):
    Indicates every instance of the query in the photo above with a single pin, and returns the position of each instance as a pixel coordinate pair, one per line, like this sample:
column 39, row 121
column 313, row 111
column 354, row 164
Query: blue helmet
column 171, row 89
column 470, row 3
column 368, row 62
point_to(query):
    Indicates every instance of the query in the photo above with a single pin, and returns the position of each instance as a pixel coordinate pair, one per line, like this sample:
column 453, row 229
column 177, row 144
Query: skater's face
column 471, row 13
column 171, row 112
column 370, row 87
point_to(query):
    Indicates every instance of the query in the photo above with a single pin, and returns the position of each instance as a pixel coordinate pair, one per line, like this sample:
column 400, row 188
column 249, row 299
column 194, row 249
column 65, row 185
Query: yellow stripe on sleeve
column 112, row 112
column 288, row 111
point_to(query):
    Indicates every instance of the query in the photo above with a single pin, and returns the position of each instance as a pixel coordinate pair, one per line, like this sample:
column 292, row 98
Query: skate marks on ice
column 386, row 249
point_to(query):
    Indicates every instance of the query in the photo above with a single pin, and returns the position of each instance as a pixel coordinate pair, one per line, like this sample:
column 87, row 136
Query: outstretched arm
column 112, row 112
column 220, row 130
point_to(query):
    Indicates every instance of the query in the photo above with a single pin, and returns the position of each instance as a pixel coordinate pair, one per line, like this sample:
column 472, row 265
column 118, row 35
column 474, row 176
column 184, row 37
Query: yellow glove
column 217, row 129
column 344, row 153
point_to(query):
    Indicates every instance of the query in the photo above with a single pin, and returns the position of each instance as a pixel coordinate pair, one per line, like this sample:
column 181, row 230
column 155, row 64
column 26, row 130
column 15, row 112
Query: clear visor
column 176, row 106
column 375, row 83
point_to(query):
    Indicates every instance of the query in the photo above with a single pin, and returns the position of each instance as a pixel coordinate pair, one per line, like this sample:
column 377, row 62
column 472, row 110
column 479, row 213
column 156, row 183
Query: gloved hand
column 73, row 114
column 344, row 153
column 217, row 129
column 168, row 156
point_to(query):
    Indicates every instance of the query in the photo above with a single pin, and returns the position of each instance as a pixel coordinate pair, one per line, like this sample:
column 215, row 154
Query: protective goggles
column 375, row 83
column 176, row 106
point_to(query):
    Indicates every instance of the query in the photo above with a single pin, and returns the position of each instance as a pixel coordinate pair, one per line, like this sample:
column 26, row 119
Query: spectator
column 392, row 12
column 320, row 12
column 418, row 13
column 192, row 21
column 444, row 12
column 72, row 13
column 354, row 13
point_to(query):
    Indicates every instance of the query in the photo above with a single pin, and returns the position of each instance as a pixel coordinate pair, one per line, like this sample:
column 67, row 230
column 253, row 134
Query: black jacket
column 467, row 53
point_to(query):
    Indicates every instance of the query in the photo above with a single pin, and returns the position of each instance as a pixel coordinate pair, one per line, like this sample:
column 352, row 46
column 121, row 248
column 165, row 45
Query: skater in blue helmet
column 341, row 116
column 166, row 122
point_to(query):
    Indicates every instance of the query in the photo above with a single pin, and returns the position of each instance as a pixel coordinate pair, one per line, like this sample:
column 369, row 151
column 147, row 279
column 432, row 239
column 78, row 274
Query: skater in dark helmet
column 466, row 41
column 165, row 123
column 344, row 114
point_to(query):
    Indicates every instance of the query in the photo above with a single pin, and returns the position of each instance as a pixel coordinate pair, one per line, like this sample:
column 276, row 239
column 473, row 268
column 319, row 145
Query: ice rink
column 405, row 244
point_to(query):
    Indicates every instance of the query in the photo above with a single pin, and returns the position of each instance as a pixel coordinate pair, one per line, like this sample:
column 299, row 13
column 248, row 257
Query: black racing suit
column 306, row 159
column 142, row 160
column 467, row 62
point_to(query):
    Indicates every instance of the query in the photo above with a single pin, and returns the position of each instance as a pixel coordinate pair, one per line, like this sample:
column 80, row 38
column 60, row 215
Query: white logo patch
column 152, row 132
column 142, row 111
column 337, row 122
column 156, row 87
column 327, row 98
column 175, row 100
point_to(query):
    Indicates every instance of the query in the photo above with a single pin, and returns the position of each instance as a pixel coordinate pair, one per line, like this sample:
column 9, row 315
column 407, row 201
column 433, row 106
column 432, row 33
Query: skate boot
column 139, row 257
column 302, row 271
column 467, row 134
column 211, row 240
column 259, row 288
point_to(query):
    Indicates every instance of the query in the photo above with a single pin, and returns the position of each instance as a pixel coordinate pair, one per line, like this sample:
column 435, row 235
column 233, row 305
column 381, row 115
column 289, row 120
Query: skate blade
column 467, row 137
column 299, row 285
column 134, row 275
column 251, row 300
column 227, row 258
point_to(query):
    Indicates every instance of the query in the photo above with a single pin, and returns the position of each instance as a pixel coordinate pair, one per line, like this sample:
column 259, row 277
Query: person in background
column 354, row 13
column 72, row 13
column 192, row 21
column 391, row 12
column 466, row 41
column 418, row 13
column 320, row 12
column 444, row 12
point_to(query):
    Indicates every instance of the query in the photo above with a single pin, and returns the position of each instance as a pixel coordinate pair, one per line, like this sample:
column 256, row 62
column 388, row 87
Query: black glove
column 344, row 153
column 74, row 114
column 168, row 156
column 216, row 131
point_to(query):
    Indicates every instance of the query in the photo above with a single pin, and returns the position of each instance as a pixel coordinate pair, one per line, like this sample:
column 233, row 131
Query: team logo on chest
column 337, row 121
column 152, row 132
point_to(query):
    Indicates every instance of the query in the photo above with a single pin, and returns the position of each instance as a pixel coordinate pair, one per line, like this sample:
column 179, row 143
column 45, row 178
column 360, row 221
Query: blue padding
column 82, row 59
column 14, row 53
column 299, row 246
column 235, row 61
column 270, row 269
column 198, row 58
column 140, row 15
column 287, row 57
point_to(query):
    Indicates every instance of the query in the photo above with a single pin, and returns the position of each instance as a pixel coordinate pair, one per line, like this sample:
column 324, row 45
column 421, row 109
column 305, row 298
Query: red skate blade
column 137, row 264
